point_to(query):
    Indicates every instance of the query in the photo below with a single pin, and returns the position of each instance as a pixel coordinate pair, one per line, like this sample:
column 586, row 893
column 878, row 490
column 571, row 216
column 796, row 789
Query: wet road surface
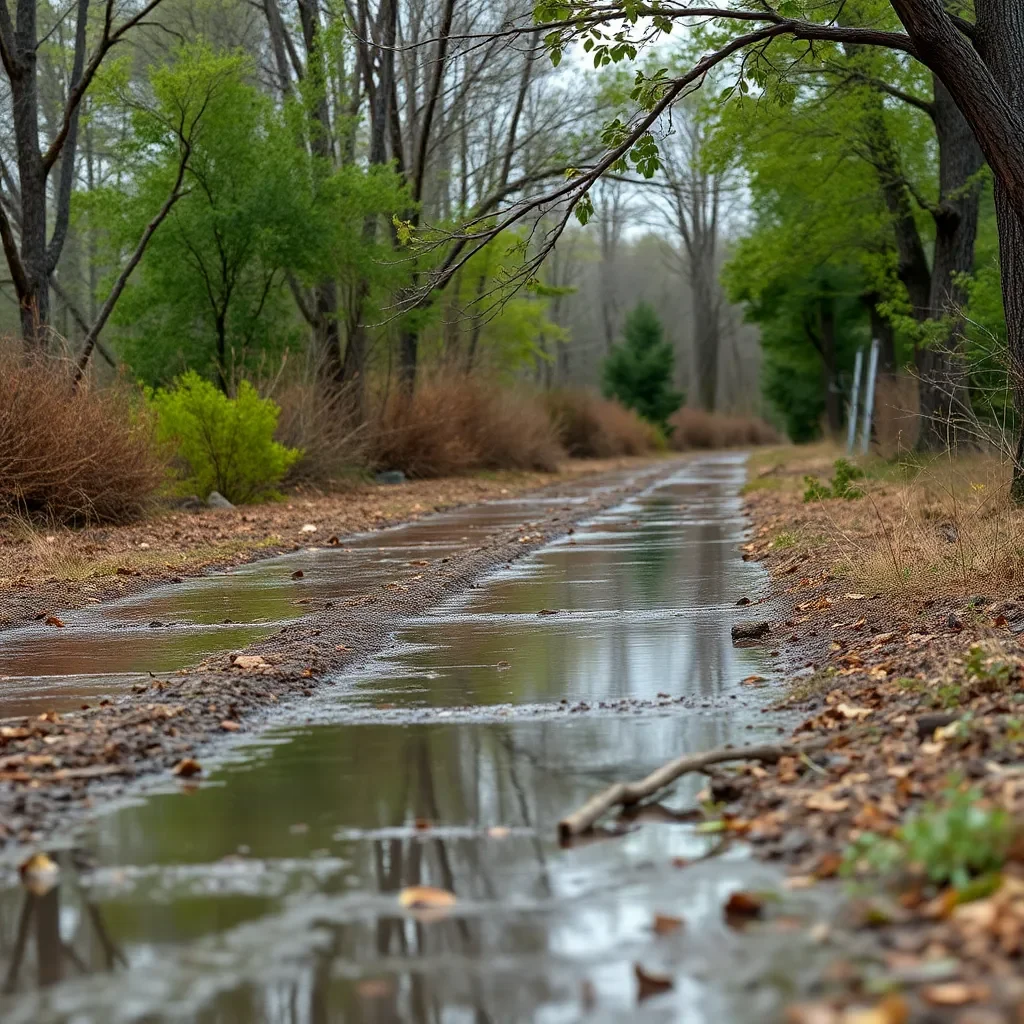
column 269, row 893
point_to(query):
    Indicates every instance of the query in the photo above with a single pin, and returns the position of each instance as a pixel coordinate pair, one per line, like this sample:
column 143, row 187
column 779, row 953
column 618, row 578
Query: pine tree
column 638, row 372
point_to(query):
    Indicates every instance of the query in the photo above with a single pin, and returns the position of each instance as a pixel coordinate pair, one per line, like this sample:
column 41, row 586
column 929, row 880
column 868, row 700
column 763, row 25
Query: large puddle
column 268, row 893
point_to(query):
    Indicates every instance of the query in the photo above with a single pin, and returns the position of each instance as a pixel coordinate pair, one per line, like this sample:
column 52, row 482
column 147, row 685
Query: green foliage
column 951, row 841
column 223, row 444
column 212, row 291
column 841, row 485
column 638, row 372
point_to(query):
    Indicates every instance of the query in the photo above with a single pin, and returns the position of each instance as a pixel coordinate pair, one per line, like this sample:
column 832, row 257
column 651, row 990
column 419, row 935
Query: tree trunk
column 945, row 400
column 706, row 330
column 882, row 329
column 1001, row 44
column 827, row 325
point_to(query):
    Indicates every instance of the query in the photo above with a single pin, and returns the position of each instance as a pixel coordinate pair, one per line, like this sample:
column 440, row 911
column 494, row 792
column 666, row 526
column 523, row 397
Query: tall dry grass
column 944, row 528
column 695, row 429
column 455, row 423
column 71, row 457
column 592, row 427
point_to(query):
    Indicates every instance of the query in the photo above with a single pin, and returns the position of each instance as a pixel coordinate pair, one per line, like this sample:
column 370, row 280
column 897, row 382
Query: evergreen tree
column 638, row 372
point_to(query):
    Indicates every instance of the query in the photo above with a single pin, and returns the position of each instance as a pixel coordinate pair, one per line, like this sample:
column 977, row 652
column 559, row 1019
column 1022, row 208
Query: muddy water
column 103, row 650
column 269, row 893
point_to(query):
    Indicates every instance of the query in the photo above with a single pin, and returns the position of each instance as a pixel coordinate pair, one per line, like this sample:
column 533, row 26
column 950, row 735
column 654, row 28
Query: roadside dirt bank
column 44, row 572
column 913, row 810
column 52, row 767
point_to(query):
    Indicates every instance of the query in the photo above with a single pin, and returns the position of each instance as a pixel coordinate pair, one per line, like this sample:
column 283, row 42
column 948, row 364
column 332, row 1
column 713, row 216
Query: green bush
column 841, row 486
column 222, row 444
column 951, row 841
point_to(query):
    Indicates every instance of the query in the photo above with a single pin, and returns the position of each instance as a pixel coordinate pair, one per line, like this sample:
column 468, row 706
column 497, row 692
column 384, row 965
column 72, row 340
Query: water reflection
column 269, row 893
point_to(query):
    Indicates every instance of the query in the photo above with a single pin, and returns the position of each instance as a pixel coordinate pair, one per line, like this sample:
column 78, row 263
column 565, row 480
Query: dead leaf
column 811, row 1013
column 1000, row 621
column 39, row 874
column 228, row 726
column 953, row 993
column 892, row 1009
column 743, row 906
column 430, row 904
column 852, row 712
column 247, row 662
column 665, row 924
column 187, row 767
column 752, row 680
column 298, row 574
column 650, row 984
column 826, row 802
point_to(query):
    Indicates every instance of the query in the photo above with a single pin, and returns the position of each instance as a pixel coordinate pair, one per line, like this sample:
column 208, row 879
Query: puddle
column 178, row 625
column 269, row 893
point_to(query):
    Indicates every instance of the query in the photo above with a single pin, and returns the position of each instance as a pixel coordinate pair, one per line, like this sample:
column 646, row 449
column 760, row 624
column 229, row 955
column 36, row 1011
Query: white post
column 869, row 397
column 851, row 427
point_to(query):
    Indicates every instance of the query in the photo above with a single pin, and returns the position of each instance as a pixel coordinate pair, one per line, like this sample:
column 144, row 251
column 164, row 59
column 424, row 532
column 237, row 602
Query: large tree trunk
column 1001, row 43
column 945, row 401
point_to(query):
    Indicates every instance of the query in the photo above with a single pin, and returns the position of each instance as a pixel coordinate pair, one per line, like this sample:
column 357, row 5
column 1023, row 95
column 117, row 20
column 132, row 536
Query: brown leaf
column 247, row 662
column 298, row 574
column 1000, row 621
column 39, row 874
column 52, row 620
column 826, row 802
column 892, row 1009
column 743, row 905
column 187, row 767
column 228, row 726
column 811, row 1013
column 650, row 984
column 665, row 924
column 430, row 904
column 953, row 993
column 752, row 680
column 852, row 712
column 829, row 865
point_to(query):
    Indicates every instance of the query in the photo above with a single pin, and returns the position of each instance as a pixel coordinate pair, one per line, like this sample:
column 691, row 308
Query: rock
column 954, row 621
column 390, row 476
column 217, row 500
column 750, row 630
column 742, row 601
column 927, row 724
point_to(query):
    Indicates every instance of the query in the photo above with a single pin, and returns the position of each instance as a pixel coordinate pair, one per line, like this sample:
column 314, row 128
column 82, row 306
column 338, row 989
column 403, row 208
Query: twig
column 627, row 793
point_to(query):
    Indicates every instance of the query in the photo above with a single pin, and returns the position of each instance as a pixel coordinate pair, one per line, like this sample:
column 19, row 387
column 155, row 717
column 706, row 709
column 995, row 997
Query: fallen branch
column 625, row 794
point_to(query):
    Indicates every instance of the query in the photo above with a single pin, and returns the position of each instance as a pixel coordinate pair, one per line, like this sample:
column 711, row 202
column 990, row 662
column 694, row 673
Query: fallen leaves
column 651, row 983
column 248, row 662
column 427, row 902
column 742, row 907
column 38, row 873
column 52, row 620
column 186, row 768
column 665, row 924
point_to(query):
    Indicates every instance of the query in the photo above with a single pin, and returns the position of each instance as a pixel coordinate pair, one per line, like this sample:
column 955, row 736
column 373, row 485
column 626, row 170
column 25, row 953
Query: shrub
column 950, row 842
column 591, row 427
column 639, row 371
column 696, row 428
column 71, row 457
column 222, row 444
column 455, row 423
column 841, row 486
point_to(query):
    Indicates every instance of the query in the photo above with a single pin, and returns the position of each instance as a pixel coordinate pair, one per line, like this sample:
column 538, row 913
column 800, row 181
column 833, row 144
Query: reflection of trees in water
column 36, row 954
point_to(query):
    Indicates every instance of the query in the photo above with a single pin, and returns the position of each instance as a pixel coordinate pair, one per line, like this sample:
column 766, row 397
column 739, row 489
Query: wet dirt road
column 269, row 892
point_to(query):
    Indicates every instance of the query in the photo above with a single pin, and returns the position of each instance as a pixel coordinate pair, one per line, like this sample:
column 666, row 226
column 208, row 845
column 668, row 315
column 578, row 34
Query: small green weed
column 990, row 672
column 841, row 485
column 951, row 841
column 785, row 539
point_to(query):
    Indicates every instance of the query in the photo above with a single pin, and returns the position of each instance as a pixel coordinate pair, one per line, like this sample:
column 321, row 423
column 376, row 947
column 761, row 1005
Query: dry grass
column 71, row 458
column 947, row 528
column 695, row 428
column 592, row 427
column 455, row 424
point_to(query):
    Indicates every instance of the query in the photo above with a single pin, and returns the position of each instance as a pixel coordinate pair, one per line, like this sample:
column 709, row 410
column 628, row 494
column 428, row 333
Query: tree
column 33, row 252
column 639, row 371
column 979, row 62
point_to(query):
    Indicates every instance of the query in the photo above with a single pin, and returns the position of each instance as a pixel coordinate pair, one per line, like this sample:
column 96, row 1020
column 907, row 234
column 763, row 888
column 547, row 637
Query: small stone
column 750, row 630
column 954, row 621
column 217, row 500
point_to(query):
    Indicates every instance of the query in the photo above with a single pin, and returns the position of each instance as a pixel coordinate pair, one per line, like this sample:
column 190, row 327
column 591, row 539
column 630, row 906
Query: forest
column 410, row 218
